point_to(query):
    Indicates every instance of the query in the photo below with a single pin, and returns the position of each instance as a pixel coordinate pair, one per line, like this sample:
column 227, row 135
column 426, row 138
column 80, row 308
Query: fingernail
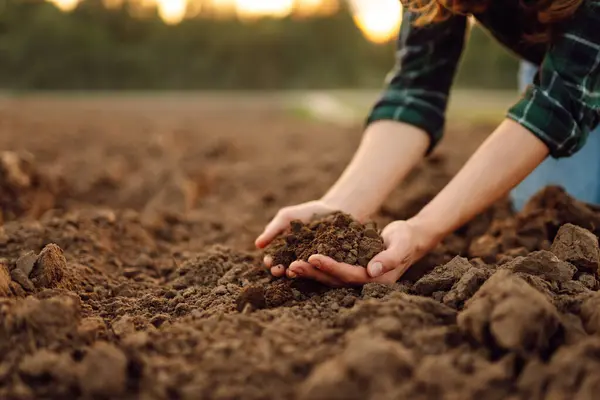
column 375, row 269
column 291, row 274
column 316, row 263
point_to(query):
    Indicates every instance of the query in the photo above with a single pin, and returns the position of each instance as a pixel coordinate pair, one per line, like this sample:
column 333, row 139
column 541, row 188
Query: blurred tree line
column 118, row 47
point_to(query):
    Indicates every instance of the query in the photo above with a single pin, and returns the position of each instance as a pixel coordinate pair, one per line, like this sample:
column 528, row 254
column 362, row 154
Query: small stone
column 577, row 246
column 49, row 267
column 334, row 306
column 588, row 280
column 19, row 276
column 220, row 290
column 123, row 326
column 26, row 262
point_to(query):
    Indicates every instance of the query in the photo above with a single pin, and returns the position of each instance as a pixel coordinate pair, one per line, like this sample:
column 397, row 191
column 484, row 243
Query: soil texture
column 337, row 235
column 127, row 269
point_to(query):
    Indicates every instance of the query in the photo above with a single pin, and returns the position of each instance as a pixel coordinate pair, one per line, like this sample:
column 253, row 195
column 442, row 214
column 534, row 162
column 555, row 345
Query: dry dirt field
column 126, row 231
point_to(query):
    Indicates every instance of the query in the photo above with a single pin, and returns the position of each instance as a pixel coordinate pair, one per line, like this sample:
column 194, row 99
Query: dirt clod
column 544, row 264
column 26, row 262
column 577, row 246
column 443, row 277
column 337, row 235
column 103, row 371
column 383, row 363
column 253, row 295
column 466, row 287
column 511, row 314
column 49, row 267
column 590, row 314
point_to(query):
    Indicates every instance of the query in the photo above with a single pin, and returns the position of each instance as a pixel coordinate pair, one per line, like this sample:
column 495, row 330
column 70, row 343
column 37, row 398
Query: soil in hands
column 337, row 235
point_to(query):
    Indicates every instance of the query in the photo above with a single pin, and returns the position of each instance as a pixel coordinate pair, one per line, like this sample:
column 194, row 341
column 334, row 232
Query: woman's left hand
column 405, row 243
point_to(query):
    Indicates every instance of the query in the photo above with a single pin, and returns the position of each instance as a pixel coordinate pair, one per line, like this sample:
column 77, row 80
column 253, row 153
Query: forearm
column 387, row 153
column 502, row 161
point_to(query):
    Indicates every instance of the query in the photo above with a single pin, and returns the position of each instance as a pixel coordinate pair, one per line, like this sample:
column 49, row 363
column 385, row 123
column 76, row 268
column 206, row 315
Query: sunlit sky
column 378, row 19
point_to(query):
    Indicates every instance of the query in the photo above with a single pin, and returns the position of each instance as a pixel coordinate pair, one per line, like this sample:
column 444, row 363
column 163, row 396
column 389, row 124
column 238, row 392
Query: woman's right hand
column 281, row 222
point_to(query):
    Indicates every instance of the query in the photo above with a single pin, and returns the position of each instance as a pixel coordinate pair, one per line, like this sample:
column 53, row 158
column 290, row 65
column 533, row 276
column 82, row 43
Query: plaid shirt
column 561, row 107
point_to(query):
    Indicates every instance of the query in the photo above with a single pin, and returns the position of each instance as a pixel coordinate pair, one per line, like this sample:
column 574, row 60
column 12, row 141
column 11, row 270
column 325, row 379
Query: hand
column 406, row 242
column 303, row 212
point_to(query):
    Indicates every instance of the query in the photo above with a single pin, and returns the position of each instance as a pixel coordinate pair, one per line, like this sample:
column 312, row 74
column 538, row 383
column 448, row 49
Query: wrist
column 429, row 233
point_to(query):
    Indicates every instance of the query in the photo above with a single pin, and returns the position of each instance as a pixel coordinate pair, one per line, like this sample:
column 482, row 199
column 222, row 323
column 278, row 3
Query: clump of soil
column 38, row 271
column 25, row 191
column 337, row 235
column 509, row 313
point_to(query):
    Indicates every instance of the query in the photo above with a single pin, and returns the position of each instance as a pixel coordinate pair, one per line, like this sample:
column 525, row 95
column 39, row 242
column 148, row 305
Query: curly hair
column 548, row 13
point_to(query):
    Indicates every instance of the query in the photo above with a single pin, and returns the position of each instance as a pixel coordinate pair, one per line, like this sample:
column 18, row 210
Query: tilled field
column 127, row 268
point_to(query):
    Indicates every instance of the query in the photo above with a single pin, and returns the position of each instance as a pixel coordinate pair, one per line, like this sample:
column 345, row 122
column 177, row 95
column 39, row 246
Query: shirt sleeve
column 562, row 105
column 426, row 62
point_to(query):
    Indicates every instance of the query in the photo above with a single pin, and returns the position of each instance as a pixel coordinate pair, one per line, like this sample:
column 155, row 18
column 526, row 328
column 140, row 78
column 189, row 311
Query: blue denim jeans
column 579, row 174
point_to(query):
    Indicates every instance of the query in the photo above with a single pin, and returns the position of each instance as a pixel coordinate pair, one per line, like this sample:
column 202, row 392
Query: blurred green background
column 100, row 46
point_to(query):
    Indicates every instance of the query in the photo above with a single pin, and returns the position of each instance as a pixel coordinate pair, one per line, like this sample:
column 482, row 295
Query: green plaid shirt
column 561, row 107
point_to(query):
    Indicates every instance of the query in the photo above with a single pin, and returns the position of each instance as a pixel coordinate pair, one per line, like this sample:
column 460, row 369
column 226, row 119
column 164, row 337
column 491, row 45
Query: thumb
column 385, row 261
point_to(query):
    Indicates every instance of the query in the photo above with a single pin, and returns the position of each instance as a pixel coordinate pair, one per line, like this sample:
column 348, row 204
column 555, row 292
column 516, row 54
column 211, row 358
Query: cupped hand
column 281, row 222
column 405, row 244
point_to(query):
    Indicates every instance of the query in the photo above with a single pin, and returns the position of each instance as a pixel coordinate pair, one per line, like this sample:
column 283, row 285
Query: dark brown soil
column 136, row 278
column 337, row 235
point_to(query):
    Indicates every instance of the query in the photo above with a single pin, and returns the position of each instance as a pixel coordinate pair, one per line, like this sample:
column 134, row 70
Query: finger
column 268, row 261
column 307, row 271
column 390, row 277
column 346, row 273
column 278, row 271
column 388, row 260
column 274, row 228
